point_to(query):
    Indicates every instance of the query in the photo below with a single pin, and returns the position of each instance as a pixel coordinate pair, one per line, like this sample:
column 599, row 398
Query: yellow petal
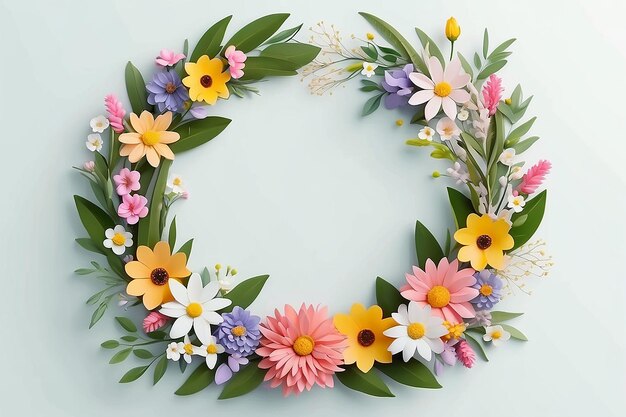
column 164, row 151
column 152, row 156
column 494, row 257
column 137, row 152
column 137, row 124
column 163, row 121
column 162, row 251
column 345, row 324
column 146, row 257
column 177, row 266
column 136, row 269
column 139, row 287
column 154, row 296
column 473, row 255
column 169, row 137
column 130, row 138
column 147, row 119
column 365, row 362
column 465, row 236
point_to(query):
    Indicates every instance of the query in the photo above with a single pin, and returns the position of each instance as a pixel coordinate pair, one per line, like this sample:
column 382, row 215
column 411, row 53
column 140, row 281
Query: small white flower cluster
column 98, row 125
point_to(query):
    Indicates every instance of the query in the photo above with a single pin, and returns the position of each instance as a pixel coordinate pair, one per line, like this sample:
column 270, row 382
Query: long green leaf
column 461, row 207
column 500, row 316
column 126, row 324
column 134, row 374
column 211, row 42
column 171, row 235
column 258, row 67
column 388, row 297
column 244, row 381
column 426, row 246
column 284, row 35
column 368, row 383
column 121, row 355
column 198, row 132
column 149, row 227
column 515, row 333
column 412, row 373
column 478, row 347
column 136, row 89
column 534, row 209
column 88, row 244
column 299, row 54
column 245, row 292
column 94, row 220
column 257, row 32
column 199, row 379
column 186, row 248
column 160, row 369
column 98, row 313
column 432, row 46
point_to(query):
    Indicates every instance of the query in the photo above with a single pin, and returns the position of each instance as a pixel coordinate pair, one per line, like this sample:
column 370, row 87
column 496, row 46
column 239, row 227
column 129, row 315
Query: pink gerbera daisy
column 446, row 289
column 300, row 349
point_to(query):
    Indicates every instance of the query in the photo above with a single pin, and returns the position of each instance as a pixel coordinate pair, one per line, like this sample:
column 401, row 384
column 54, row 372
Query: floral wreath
column 444, row 312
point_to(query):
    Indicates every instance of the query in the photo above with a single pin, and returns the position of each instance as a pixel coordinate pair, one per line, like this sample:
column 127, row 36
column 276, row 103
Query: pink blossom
column 116, row 113
column 534, row 177
column 154, row 321
column 133, row 208
column 127, row 181
column 185, row 195
column 168, row 58
column 89, row 166
column 465, row 354
column 492, row 93
column 236, row 61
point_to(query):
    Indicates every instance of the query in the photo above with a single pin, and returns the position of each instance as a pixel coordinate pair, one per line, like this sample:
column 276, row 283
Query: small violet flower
column 133, row 208
column 489, row 288
column 236, row 61
column 127, row 181
column 226, row 370
column 239, row 332
column 399, row 87
column 168, row 58
column 167, row 92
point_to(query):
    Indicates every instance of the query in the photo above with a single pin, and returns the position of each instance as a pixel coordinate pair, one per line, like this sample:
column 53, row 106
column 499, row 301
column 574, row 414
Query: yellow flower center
column 194, row 310
column 211, row 349
column 369, row 68
column 188, row 349
column 177, row 181
column 118, row 239
column 151, row 138
column 443, row 89
column 370, row 36
column 496, row 335
column 303, row 345
column 416, row 330
column 455, row 331
column 448, row 131
column 516, row 202
column 238, row 331
column 486, row 290
column 438, row 296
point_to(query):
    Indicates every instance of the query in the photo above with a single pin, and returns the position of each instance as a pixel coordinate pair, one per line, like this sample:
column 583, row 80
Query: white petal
column 181, row 327
column 421, row 81
column 397, row 345
column 108, row 243
column 460, row 96
column 118, row 250
column 436, row 344
column 174, row 305
column 202, row 329
column 409, row 350
column 175, row 313
column 423, row 349
column 216, row 304
column 211, row 360
column 179, row 292
column 395, row 332
column 402, row 316
column 119, row 229
column 414, row 312
column 449, row 107
column 432, row 108
column 210, row 291
column 194, row 288
column 187, row 358
column 212, row 317
column 421, row 97
column 109, row 233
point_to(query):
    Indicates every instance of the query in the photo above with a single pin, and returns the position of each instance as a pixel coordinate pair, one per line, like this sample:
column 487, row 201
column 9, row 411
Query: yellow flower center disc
column 416, row 331
column 486, row 290
column 303, row 346
column 438, row 296
column 496, row 335
column 238, row 331
column 442, row 89
column 188, row 349
column 151, row 138
column 194, row 310
column 211, row 349
column 118, row 239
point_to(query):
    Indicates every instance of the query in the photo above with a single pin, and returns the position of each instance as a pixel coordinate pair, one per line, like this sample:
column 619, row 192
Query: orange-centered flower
column 150, row 138
column 484, row 241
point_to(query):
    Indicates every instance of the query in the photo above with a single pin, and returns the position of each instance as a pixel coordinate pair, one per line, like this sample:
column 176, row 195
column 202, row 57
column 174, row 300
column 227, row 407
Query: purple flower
column 167, row 92
column 488, row 286
column 239, row 332
column 399, row 87
column 226, row 370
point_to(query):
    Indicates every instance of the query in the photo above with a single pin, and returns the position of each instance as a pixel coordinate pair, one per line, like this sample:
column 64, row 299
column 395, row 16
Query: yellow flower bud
column 233, row 272
column 354, row 67
column 436, row 174
column 508, row 101
column 453, row 30
column 399, row 122
column 218, row 267
column 370, row 36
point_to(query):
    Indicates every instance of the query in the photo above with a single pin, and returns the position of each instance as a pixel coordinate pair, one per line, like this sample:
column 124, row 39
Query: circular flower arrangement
column 444, row 312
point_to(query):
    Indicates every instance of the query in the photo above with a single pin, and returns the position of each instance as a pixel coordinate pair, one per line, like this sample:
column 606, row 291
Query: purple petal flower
column 399, row 86
column 226, row 370
column 167, row 92
column 223, row 374
column 239, row 332
column 199, row 111
column 489, row 286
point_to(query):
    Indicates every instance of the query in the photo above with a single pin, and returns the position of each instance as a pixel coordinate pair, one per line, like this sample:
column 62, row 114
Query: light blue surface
column 301, row 187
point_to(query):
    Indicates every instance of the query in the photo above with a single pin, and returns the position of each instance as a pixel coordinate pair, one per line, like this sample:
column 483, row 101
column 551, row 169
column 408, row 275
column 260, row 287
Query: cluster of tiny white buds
column 530, row 260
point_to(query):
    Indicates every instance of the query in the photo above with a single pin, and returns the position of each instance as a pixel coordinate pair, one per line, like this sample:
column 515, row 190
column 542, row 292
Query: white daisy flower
column 447, row 129
column 189, row 349
column 516, row 202
column 118, row 239
column 99, row 124
column 426, row 133
column 369, row 69
column 175, row 185
column 194, row 306
column 174, row 350
column 418, row 332
column 94, row 142
column 507, row 157
column 210, row 351
column 496, row 335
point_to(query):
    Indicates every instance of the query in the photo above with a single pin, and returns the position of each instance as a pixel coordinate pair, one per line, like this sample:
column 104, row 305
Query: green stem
column 451, row 50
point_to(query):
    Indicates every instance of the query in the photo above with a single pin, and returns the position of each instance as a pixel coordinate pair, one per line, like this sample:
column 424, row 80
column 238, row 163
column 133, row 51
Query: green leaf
column 149, row 227
column 477, row 61
column 210, row 43
column 432, row 46
column 110, row 344
column 524, row 145
column 94, row 220
column 206, row 276
column 501, row 48
column 258, row 67
column 84, row 271
column 160, row 369
column 389, row 51
column 126, row 324
column 500, row 316
column 157, row 335
column 199, row 379
column 198, row 132
column 88, row 244
column 426, row 246
column 97, row 315
column 256, row 32
column 368, row 383
column 485, row 44
column 244, row 381
column 134, row 374
column 136, row 89
column 298, row 54
column 520, row 220
column 129, row 338
column 534, row 209
column 478, row 347
column 372, row 104
column 120, row 356
column 521, row 130
column 186, row 248
column 491, row 69
column 418, row 142
column 388, row 297
column 284, row 35
column 143, row 353
column 412, row 373
column 461, row 207
column 171, row 235
column 370, row 51
column 515, row 333
column 245, row 292
column 467, row 67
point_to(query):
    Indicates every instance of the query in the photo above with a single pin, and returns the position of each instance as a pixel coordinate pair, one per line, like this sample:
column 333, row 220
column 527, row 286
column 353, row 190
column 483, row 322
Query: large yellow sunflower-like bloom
column 484, row 241
column 152, row 271
column 206, row 81
column 364, row 331
column 149, row 139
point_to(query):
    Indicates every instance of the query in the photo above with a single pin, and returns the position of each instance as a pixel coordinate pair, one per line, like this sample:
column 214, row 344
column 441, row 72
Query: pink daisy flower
column 300, row 349
column 446, row 289
column 236, row 61
column 443, row 88
column 168, row 58
column 133, row 208
column 127, row 181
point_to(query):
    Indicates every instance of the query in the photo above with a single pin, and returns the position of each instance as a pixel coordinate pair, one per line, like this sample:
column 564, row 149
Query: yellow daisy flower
column 364, row 331
column 484, row 241
column 150, row 138
column 206, row 81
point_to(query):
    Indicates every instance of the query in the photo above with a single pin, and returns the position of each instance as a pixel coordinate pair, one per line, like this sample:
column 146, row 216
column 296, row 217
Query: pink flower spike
column 116, row 113
column 492, row 93
column 89, row 166
column 465, row 354
column 133, row 208
column 168, row 58
column 236, row 61
column 127, row 181
column 154, row 321
column 534, row 177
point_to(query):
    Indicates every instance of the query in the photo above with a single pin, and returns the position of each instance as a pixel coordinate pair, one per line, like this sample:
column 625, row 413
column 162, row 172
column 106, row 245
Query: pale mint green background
column 302, row 188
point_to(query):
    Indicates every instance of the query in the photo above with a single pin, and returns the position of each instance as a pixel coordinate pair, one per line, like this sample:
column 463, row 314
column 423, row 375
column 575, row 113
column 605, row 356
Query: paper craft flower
column 94, row 142
column 168, row 58
column 444, row 288
column 99, row 124
column 465, row 354
column 443, row 89
column 174, row 351
column 239, row 332
column 418, row 332
column 174, row 185
column 133, row 208
column 118, row 239
column 154, row 321
column 484, row 241
column 206, row 81
column 369, row 69
column 226, row 370
column 210, row 350
column 127, row 181
column 189, row 349
column 236, row 61
column 116, row 112
column 492, row 93
column 426, row 133
column 489, row 288
column 507, row 157
column 167, row 92
column 150, row 138
column 152, row 271
column 364, row 335
column 399, row 87
column 194, row 306
column 447, row 129
column 496, row 335
column 516, row 202
column 300, row 349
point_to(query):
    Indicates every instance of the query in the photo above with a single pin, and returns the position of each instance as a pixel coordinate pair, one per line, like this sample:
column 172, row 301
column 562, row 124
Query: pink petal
column 449, row 107
column 421, row 81
column 460, row 96
column 465, row 310
column 432, row 108
column 421, row 97
column 464, row 294
column 435, row 69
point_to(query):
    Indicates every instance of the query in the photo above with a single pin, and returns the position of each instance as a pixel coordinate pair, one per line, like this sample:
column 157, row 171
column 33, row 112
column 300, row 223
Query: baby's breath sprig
column 529, row 260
